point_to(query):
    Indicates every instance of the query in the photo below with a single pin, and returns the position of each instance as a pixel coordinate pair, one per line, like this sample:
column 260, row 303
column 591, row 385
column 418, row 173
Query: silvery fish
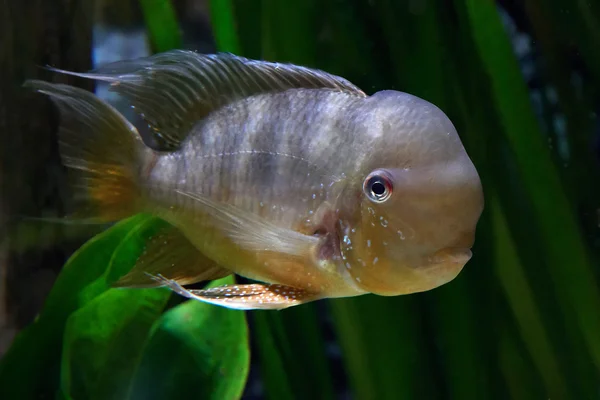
column 285, row 175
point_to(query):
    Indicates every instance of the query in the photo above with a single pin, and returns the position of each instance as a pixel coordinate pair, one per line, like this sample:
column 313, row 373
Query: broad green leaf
column 100, row 330
column 196, row 350
column 35, row 353
column 123, row 258
column 108, row 331
column 127, row 253
column 86, row 265
column 107, row 345
column 104, row 341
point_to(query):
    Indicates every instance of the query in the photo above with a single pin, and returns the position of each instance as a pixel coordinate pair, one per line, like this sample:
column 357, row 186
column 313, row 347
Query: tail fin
column 102, row 149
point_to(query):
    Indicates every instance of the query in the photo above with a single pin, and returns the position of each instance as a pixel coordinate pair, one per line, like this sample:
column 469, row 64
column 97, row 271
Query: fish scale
column 259, row 160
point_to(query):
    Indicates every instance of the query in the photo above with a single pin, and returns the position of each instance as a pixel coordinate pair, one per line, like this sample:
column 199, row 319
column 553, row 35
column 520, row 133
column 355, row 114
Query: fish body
column 285, row 175
column 274, row 156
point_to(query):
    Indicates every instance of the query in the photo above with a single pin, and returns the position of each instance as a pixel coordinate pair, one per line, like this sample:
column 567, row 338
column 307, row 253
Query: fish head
column 414, row 202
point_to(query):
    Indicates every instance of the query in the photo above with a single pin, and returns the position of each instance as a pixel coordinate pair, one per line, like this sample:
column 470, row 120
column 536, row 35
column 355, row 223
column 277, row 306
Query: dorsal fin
column 175, row 89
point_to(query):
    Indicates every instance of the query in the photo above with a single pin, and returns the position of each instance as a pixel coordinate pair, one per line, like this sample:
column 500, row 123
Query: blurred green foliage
column 522, row 321
column 161, row 24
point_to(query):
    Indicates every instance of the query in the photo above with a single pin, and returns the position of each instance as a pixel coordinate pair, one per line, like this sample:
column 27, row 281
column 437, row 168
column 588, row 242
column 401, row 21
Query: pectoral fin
column 170, row 254
column 245, row 297
column 254, row 233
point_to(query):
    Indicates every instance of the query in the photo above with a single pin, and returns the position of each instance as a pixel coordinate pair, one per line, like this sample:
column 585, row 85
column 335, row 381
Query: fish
column 288, row 176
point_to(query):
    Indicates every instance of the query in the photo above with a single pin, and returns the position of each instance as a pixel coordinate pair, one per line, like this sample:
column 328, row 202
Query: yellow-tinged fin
column 101, row 148
column 245, row 297
column 254, row 233
column 175, row 89
column 170, row 254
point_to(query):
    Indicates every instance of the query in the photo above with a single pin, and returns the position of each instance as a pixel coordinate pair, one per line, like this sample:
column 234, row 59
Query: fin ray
column 245, row 297
column 175, row 89
column 100, row 147
column 253, row 232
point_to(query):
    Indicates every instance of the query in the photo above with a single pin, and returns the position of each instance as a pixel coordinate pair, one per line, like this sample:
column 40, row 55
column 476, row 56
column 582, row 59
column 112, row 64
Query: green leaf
column 284, row 23
column 104, row 340
column 162, row 25
column 516, row 369
column 223, row 25
column 107, row 345
column 235, row 28
column 291, row 357
column 112, row 351
column 128, row 251
column 383, row 347
column 123, row 258
column 114, row 341
column 274, row 374
column 196, row 349
column 307, row 356
column 35, row 353
column 552, row 210
column 518, row 293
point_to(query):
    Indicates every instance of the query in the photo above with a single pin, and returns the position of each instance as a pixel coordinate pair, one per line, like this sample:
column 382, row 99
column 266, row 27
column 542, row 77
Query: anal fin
column 170, row 254
column 245, row 297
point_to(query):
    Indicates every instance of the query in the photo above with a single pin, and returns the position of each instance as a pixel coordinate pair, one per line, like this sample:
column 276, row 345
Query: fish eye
column 378, row 187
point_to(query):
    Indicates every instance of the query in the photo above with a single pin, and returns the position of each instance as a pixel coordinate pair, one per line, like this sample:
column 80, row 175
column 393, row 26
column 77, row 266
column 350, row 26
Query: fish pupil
column 378, row 188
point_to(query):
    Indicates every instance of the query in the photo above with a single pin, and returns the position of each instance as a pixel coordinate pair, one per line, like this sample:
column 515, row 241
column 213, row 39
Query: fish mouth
column 444, row 266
